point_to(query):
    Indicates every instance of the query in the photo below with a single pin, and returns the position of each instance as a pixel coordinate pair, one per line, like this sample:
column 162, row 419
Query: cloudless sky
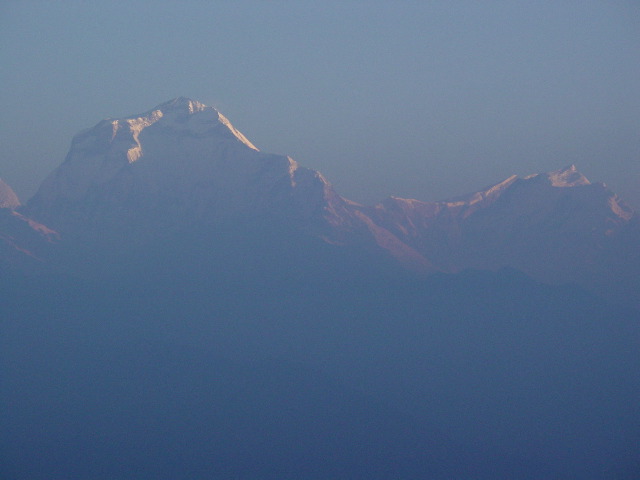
column 416, row 99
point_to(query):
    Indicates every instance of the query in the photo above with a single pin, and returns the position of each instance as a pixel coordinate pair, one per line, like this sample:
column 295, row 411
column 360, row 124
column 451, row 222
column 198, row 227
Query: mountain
column 183, row 165
column 180, row 158
column 181, row 170
column 176, row 304
column 557, row 227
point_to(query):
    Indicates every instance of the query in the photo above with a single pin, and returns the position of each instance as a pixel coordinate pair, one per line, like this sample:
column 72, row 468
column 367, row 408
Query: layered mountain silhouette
column 177, row 304
column 181, row 170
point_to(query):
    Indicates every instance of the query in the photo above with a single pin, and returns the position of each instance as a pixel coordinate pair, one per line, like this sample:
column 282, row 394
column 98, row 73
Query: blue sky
column 416, row 99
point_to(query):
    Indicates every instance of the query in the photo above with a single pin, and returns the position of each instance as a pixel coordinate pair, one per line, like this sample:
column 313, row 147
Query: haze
column 422, row 100
column 177, row 305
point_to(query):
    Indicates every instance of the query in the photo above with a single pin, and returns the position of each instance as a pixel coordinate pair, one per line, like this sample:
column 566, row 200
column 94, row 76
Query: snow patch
column 567, row 177
column 621, row 210
column 235, row 132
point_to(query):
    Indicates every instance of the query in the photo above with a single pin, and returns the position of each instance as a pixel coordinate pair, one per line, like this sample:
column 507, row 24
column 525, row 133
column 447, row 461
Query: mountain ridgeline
column 177, row 304
column 183, row 169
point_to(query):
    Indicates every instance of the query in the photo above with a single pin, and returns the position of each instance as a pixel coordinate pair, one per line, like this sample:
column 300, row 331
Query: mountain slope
column 128, row 181
column 181, row 158
column 557, row 227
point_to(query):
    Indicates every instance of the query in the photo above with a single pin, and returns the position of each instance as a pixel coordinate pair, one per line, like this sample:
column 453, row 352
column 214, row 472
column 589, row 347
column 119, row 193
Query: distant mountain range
column 182, row 167
column 176, row 304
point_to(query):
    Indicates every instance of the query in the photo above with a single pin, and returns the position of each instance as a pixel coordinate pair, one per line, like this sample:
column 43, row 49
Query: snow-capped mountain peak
column 176, row 140
column 180, row 115
column 567, row 177
column 185, row 114
column 181, row 104
column 181, row 161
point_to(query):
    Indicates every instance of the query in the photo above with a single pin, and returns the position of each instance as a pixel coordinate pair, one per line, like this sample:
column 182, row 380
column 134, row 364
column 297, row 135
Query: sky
column 423, row 100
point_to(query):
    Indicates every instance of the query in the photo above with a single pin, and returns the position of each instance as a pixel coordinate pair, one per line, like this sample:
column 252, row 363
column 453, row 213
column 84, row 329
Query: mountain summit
column 567, row 177
column 178, row 143
column 180, row 160
column 183, row 164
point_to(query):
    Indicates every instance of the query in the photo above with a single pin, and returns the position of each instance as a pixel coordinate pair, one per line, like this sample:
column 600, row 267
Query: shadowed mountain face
column 475, row 375
column 177, row 304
